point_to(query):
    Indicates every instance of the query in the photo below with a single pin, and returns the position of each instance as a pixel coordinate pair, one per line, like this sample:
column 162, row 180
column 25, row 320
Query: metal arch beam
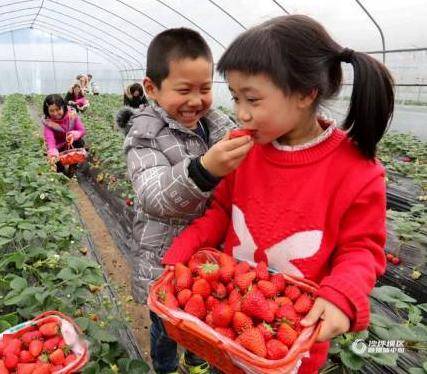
column 102, row 21
column 35, row 18
column 16, row 3
column 141, row 12
column 189, row 20
column 93, row 27
column 281, row 7
column 228, row 14
column 13, row 18
column 18, row 10
column 376, row 25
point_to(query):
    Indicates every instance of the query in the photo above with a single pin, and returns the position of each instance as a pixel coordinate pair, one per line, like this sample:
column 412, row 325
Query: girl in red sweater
column 309, row 199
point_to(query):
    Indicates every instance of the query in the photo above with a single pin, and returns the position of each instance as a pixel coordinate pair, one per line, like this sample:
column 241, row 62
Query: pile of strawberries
column 35, row 350
column 259, row 310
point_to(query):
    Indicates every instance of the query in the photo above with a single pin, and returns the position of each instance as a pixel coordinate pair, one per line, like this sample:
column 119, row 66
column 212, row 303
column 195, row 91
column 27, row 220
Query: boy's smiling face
column 186, row 93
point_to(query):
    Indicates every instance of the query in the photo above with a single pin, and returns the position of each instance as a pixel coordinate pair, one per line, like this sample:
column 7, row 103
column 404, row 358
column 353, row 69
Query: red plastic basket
column 222, row 352
column 73, row 156
column 70, row 331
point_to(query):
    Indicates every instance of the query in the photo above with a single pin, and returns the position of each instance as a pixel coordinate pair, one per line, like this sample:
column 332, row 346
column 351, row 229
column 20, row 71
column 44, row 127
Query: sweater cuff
column 348, row 297
column 177, row 254
column 201, row 177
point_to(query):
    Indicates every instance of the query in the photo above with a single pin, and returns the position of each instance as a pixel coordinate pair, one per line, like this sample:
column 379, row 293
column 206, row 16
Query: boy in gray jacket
column 177, row 151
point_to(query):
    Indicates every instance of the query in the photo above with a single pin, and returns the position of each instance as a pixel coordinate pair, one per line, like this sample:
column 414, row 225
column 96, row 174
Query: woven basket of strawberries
column 51, row 343
column 238, row 317
column 73, row 156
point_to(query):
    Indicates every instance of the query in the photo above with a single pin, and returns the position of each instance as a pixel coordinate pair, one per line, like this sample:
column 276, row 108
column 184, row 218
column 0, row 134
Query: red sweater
column 318, row 213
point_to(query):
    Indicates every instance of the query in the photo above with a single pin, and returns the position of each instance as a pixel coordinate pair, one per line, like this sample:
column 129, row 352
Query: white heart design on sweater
column 300, row 245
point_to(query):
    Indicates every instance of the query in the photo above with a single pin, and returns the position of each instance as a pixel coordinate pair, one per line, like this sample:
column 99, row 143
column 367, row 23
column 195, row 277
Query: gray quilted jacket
column 158, row 151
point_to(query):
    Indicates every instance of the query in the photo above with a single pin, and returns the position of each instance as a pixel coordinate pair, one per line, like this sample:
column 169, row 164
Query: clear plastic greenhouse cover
column 46, row 43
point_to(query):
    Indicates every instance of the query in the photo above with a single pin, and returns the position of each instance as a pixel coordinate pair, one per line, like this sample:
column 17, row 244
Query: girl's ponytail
column 371, row 103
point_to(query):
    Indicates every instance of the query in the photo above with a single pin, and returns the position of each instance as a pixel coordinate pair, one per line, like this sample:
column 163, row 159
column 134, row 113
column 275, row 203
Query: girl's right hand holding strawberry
column 226, row 155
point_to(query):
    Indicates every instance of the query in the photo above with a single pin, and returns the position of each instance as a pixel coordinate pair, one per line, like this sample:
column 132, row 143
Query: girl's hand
column 226, row 155
column 52, row 162
column 69, row 138
column 334, row 321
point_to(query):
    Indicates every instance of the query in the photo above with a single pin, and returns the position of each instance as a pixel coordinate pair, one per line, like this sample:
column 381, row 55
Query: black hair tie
column 346, row 55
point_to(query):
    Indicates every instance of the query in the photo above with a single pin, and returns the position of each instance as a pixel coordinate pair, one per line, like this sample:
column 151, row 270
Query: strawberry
column 218, row 290
column 70, row 358
column 194, row 265
column 11, row 361
column 57, row 357
column 266, row 330
column 303, row 304
column 183, row 296
column 241, row 322
column 226, row 331
column 253, row 341
column 286, row 334
column 25, row 368
column 49, row 329
column 201, row 287
column 43, row 368
column 196, row 306
column 395, row 260
column 168, row 299
column 26, row 356
column 35, row 347
column 3, row 369
column 389, row 256
column 241, row 268
column 292, row 292
column 209, row 319
column 183, row 277
column 226, row 273
column 51, row 344
column 31, row 335
column 222, row 314
column 272, row 306
column 276, row 350
column 254, row 304
column 243, row 281
column 209, row 271
column 261, row 271
column 288, row 313
column 279, row 281
column 211, row 302
column 230, row 287
column 235, row 300
column 267, row 288
column 240, row 132
column 225, row 260
column 12, row 346
column 282, row 300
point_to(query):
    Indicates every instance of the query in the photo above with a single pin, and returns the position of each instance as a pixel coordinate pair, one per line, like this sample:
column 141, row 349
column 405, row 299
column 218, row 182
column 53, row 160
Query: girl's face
column 76, row 90
column 261, row 106
column 136, row 93
column 55, row 111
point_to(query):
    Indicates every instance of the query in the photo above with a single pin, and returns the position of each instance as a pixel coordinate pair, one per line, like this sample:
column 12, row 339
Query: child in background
column 60, row 125
column 134, row 96
column 93, row 86
column 309, row 199
column 76, row 98
column 164, row 148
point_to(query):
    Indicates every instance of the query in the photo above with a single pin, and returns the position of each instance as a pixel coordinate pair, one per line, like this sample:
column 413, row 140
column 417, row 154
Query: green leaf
column 381, row 332
column 18, row 258
column 18, row 284
column 423, row 306
column 67, row 274
column 7, row 232
column 425, row 365
column 4, row 325
column 100, row 334
column 83, row 322
column 138, row 367
column 416, row 371
column 381, row 320
column 387, row 359
column 391, row 294
column 91, row 368
column 4, row 241
column 351, row 360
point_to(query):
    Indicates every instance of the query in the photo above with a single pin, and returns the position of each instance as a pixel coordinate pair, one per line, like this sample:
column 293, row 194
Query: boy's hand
column 334, row 321
column 226, row 155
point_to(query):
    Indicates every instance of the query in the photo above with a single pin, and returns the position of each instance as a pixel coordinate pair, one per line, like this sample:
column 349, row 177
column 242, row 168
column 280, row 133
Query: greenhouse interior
column 133, row 236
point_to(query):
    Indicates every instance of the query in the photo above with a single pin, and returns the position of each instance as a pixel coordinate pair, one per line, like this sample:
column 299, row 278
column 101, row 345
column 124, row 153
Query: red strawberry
column 11, row 361
column 276, row 350
column 218, row 290
column 183, row 296
column 211, row 302
column 201, row 287
column 49, row 329
column 12, row 346
column 31, row 335
column 235, row 300
column 282, row 300
column 57, row 357
column 226, row 331
column 226, row 273
column 226, row 260
column 272, row 306
column 230, row 287
column 303, row 304
column 43, row 368
column 253, row 341
column 243, row 281
column 241, row 268
column 51, row 344
column 209, row 271
column 266, row 330
column 169, row 300
column 267, row 288
column 279, row 281
column 35, row 347
column 395, row 260
column 389, row 256
column 222, row 314
column 261, row 271
column 255, row 305
column 288, row 313
column 3, row 369
column 70, row 358
column 25, row 368
column 26, row 356
column 183, row 277
column 196, row 306
column 194, row 265
column 240, row 132
column 209, row 319
column 241, row 322
column 292, row 292
column 286, row 334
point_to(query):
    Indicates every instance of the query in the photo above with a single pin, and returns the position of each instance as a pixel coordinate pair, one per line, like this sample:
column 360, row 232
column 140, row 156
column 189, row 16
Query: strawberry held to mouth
column 240, row 132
